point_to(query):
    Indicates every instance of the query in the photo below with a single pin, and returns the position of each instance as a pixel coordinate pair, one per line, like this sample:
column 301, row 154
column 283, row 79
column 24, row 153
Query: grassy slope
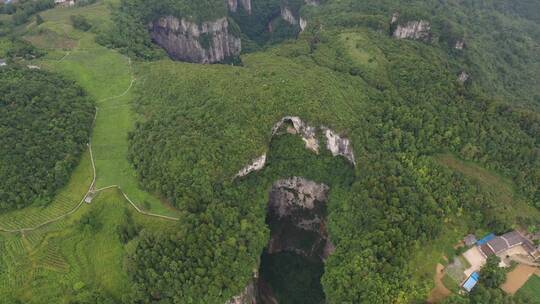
column 43, row 266
column 104, row 74
column 499, row 188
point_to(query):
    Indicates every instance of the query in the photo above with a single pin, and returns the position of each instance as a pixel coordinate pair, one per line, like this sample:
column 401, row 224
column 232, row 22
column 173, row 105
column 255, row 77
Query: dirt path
column 518, row 277
column 440, row 292
column 91, row 190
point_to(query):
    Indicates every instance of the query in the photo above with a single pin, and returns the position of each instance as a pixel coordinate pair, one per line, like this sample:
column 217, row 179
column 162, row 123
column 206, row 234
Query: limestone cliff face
column 460, row 44
column 416, row 30
column 209, row 42
column 288, row 16
column 256, row 165
column 336, row 144
column 296, row 193
column 339, row 145
column 312, row 2
column 248, row 296
column 297, row 213
column 307, row 132
column 233, row 5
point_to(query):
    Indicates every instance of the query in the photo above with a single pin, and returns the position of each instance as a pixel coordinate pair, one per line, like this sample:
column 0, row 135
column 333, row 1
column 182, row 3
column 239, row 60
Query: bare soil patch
column 518, row 277
column 440, row 292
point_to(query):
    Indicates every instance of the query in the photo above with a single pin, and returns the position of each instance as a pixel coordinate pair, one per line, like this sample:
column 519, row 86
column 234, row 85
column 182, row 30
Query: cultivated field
column 531, row 290
column 55, row 262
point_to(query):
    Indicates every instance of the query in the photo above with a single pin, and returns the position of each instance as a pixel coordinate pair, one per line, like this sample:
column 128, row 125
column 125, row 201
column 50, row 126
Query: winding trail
column 91, row 190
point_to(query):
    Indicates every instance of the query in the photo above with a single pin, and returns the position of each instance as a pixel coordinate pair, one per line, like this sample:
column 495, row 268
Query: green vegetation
column 62, row 263
column 199, row 129
column 530, row 292
column 66, row 200
column 390, row 218
column 22, row 10
column 45, row 123
column 80, row 22
column 295, row 279
column 492, row 276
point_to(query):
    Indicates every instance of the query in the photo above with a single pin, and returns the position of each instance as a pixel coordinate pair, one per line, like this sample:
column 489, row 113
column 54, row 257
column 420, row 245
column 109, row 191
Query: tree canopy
column 45, row 123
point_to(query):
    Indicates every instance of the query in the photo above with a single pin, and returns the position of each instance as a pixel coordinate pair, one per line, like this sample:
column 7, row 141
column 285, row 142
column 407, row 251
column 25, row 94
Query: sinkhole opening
column 292, row 263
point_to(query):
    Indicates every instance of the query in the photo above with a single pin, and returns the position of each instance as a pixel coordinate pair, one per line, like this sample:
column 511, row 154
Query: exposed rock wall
column 248, row 296
column 463, row 77
column 312, row 2
column 296, row 213
column 256, row 165
column 303, row 24
column 416, row 30
column 233, row 5
column 339, row 146
column 185, row 40
column 288, row 16
column 307, row 132
column 296, row 193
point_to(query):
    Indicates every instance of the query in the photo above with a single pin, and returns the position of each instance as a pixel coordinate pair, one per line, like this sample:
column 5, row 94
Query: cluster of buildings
column 499, row 245
column 510, row 246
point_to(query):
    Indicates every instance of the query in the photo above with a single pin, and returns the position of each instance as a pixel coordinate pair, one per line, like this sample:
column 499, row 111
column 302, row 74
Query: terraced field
column 107, row 76
column 53, row 263
column 66, row 200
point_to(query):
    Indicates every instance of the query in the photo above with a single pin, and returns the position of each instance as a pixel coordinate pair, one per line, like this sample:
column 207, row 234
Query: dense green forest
column 45, row 122
column 192, row 142
column 398, row 101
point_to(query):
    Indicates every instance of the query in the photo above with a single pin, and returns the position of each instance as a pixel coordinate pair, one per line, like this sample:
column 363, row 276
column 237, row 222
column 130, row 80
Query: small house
column 471, row 282
column 3, row 62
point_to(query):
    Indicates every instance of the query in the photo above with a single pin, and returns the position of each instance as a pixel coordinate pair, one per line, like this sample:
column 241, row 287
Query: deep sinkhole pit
column 292, row 264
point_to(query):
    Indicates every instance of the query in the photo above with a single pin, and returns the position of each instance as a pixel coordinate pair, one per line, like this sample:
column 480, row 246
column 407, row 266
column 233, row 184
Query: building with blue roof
column 471, row 281
column 485, row 239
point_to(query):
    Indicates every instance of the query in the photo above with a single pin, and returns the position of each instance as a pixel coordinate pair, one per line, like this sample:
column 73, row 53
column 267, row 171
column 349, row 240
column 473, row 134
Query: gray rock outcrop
column 312, row 2
column 296, row 193
column 297, row 213
column 256, row 165
column 209, row 42
column 416, row 30
column 307, row 132
column 463, row 77
column 288, row 16
column 338, row 145
column 233, row 5
column 248, row 296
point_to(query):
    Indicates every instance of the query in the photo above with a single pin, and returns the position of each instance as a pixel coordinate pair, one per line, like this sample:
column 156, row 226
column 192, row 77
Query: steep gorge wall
column 296, row 214
column 209, row 42
column 234, row 4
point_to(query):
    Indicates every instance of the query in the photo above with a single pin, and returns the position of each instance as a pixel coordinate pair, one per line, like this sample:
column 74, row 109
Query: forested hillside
column 399, row 106
column 412, row 91
column 45, row 123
